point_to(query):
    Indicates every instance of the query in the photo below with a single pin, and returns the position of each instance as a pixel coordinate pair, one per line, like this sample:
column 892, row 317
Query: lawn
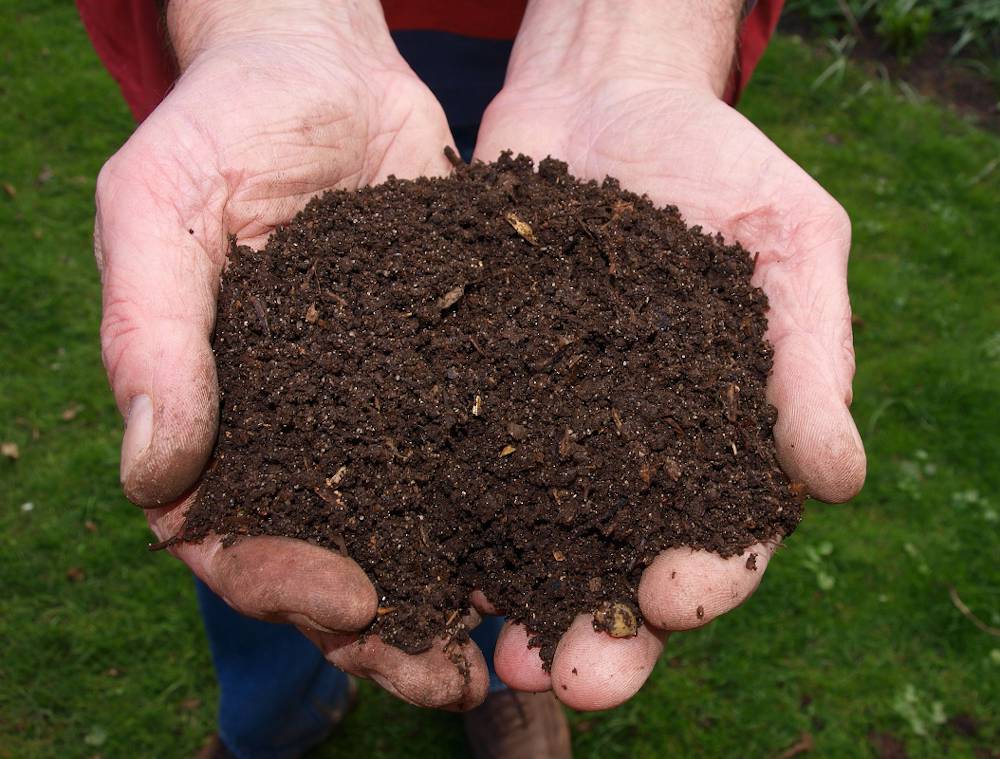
column 853, row 637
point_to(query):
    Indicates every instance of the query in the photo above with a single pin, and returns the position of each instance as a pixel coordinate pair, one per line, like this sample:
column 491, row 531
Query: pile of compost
column 503, row 380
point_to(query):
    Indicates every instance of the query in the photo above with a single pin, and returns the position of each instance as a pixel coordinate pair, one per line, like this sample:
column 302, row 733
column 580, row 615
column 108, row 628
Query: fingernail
column 304, row 620
column 138, row 433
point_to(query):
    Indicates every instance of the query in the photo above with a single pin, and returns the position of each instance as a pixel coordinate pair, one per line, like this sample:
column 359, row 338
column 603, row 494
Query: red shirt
column 129, row 38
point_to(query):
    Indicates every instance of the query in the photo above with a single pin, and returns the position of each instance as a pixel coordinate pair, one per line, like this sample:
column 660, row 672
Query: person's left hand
column 679, row 144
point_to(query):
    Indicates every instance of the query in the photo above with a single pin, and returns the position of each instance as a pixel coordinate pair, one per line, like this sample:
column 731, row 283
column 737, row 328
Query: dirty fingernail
column 138, row 433
column 304, row 620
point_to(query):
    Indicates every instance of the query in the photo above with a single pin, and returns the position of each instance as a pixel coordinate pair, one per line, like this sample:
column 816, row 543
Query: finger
column 683, row 589
column 519, row 666
column 276, row 579
column 482, row 604
column 280, row 579
column 159, row 288
column 815, row 436
column 803, row 271
column 448, row 676
column 594, row 671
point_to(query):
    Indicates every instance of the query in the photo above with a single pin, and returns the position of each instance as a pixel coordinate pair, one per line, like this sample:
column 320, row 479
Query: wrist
column 198, row 27
column 576, row 44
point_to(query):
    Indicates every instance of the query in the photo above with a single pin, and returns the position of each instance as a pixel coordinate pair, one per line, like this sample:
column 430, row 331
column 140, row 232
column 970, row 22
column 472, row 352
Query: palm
column 247, row 152
column 685, row 148
column 254, row 148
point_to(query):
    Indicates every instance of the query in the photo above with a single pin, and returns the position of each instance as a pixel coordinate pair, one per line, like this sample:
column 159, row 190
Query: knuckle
column 833, row 223
column 840, row 219
column 119, row 326
column 103, row 200
column 113, row 179
column 106, row 180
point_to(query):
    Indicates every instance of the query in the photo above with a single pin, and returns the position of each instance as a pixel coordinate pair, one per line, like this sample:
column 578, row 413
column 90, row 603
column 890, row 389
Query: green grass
column 116, row 664
column 902, row 26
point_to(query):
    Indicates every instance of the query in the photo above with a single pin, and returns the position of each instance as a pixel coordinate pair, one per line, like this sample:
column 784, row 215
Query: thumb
column 809, row 325
column 159, row 287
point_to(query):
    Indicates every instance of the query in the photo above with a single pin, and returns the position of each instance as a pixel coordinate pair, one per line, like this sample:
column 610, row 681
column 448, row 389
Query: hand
column 271, row 108
column 609, row 107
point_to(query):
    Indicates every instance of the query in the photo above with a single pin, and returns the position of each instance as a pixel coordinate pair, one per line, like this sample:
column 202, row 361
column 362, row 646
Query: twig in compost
column 261, row 313
column 453, row 158
column 159, row 546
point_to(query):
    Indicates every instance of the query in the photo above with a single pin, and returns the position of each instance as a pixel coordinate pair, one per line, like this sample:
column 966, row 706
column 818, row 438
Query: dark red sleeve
column 130, row 40
column 755, row 33
column 498, row 20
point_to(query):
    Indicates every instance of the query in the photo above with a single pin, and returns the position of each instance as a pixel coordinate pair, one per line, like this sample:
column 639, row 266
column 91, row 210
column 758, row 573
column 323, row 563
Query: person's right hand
column 272, row 107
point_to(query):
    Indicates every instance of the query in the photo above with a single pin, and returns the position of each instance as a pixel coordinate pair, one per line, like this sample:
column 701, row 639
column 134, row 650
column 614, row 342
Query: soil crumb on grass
column 504, row 380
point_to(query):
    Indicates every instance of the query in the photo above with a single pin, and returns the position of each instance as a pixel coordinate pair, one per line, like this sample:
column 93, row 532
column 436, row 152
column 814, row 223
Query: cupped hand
column 681, row 145
column 260, row 120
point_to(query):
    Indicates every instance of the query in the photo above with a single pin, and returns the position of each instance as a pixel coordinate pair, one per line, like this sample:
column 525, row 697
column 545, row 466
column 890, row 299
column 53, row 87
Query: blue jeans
column 277, row 692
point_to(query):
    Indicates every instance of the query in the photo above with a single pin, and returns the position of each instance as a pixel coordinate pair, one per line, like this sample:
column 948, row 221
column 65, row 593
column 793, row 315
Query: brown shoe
column 512, row 725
